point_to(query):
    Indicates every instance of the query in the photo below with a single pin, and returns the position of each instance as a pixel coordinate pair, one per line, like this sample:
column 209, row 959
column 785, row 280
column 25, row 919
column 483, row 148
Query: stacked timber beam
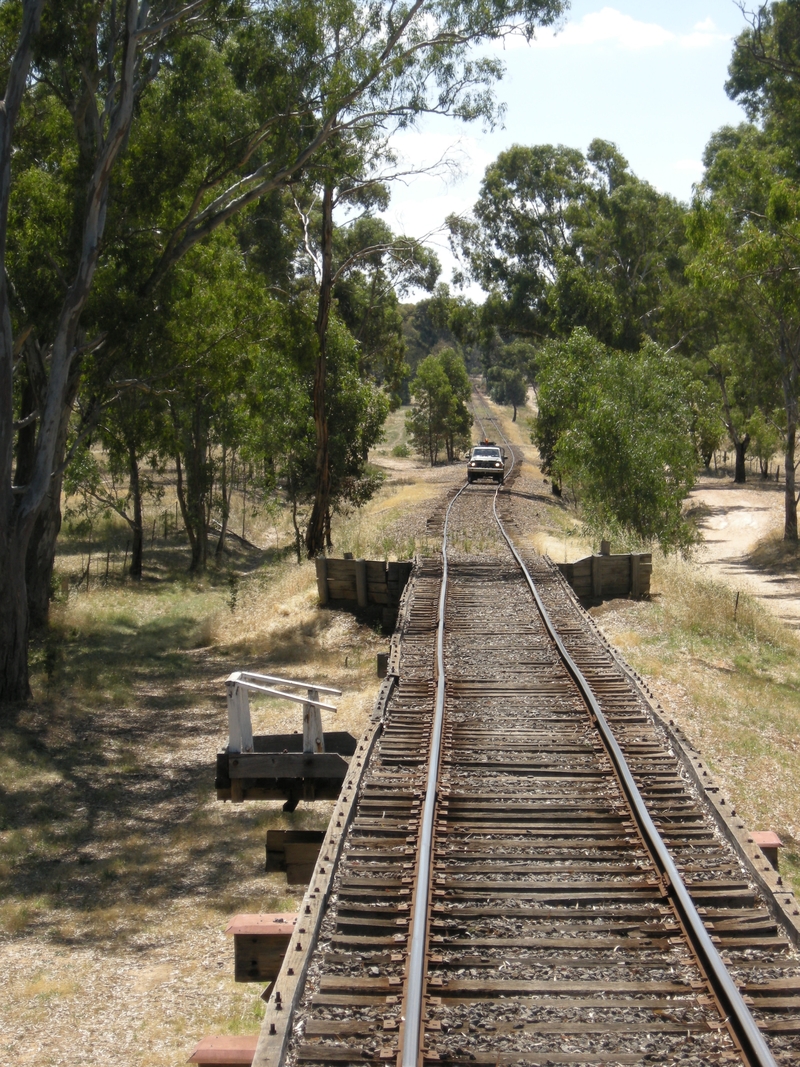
column 364, row 584
column 605, row 577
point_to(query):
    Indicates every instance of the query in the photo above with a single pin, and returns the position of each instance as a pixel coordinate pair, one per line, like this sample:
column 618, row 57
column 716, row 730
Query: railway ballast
column 580, row 906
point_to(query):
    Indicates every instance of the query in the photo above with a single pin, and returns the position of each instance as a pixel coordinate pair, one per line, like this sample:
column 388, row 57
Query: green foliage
column 617, row 428
column 561, row 240
column 745, row 226
column 425, row 330
column 280, row 434
column 764, row 69
column 439, row 417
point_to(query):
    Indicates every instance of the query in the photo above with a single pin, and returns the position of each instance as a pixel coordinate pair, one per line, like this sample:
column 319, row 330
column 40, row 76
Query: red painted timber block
column 769, row 843
column 259, row 944
column 225, row 1051
column 263, row 924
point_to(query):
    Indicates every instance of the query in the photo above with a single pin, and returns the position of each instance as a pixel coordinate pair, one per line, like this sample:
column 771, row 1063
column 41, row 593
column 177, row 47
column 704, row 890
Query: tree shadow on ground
column 773, row 555
column 107, row 801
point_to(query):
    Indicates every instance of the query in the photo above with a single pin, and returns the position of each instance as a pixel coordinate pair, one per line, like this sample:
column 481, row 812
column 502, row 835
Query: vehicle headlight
column 498, row 464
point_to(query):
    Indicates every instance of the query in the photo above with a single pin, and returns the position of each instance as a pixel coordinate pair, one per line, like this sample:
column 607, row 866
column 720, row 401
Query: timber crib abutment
column 603, row 576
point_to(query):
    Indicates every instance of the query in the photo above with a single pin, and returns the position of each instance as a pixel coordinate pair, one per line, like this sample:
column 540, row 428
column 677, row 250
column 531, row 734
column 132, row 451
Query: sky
column 647, row 75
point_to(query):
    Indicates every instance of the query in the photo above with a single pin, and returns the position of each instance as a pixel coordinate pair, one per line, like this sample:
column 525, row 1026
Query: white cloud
column 607, row 26
column 612, row 27
column 704, row 35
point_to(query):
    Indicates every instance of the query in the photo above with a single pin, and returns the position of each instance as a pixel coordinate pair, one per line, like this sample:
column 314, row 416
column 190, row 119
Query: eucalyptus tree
column 746, row 227
column 439, row 417
column 337, row 255
column 301, row 75
column 102, row 57
column 764, row 70
column 206, row 338
column 379, row 267
column 616, row 427
column 280, row 436
column 561, row 240
column 426, row 421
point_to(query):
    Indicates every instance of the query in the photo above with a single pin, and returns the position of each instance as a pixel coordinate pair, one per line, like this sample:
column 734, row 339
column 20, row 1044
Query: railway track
column 550, row 926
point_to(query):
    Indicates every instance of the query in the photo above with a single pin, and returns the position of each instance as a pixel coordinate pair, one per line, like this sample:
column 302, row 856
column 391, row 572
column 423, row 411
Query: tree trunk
column 739, row 474
column 14, row 682
column 195, row 482
column 226, row 492
column 137, row 526
column 297, row 538
column 514, row 416
column 189, row 527
column 16, row 512
column 315, row 532
column 790, row 496
column 41, row 556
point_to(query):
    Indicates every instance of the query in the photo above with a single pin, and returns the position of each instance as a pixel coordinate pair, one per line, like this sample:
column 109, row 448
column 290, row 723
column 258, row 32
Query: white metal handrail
column 240, row 726
column 287, row 696
column 288, row 681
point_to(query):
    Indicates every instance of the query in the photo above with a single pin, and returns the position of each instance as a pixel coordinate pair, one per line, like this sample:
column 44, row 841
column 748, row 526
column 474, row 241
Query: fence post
column 361, row 582
column 313, row 737
column 636, row 575
column 321, row 564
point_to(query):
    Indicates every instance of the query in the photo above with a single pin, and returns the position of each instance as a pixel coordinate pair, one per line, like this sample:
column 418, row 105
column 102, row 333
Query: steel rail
column 415, row 982
column 739, row 1018
column 412, row 1026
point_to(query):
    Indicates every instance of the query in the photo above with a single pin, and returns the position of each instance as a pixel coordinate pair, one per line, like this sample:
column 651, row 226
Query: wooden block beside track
column 259, row 944
column 769, row 843
column 294, row 851
column 225, row 1051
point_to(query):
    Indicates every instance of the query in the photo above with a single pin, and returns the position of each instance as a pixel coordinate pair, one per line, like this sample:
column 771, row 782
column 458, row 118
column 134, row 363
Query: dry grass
column 728, row 674
column 772, row 554
column 118, row 867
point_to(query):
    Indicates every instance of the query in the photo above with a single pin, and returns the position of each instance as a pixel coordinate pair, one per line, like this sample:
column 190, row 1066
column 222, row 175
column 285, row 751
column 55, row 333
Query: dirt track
column 741, row 527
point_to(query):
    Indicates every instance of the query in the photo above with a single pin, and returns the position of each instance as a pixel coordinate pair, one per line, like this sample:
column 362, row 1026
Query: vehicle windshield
column 486, row 453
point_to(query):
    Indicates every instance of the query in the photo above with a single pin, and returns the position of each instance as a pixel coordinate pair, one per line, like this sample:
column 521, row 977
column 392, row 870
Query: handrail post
column 240, row 727
column 313, row 737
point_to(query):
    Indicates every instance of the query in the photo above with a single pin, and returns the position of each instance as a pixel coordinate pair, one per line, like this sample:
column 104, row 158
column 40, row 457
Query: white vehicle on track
column 486, row 461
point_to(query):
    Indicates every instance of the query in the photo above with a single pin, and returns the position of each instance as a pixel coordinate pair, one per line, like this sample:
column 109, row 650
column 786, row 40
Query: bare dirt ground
column 742, row 528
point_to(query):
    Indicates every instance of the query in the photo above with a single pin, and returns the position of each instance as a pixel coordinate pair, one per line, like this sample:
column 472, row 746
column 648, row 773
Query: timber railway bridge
column 521, row 867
